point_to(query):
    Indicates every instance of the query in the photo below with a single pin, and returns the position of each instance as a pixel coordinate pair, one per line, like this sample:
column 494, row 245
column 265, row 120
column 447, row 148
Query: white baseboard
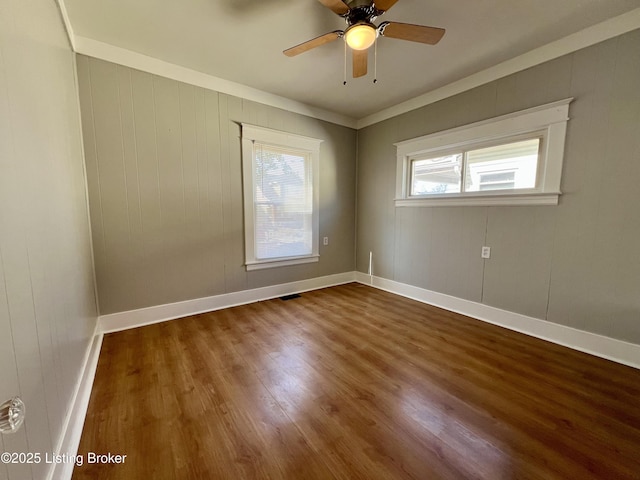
column 146, row 316
column 598, row 345
column 601, row 346
column 605, row 347
column 74, row 421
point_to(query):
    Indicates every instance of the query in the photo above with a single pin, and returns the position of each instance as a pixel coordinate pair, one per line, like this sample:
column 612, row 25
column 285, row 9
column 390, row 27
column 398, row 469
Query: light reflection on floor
column 428, row 419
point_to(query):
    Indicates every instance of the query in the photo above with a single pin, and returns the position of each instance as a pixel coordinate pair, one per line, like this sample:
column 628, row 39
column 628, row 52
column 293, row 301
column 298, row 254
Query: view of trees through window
column 283, row 203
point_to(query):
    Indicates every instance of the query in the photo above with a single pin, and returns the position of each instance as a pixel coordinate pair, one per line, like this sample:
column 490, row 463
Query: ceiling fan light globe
column 360, row 37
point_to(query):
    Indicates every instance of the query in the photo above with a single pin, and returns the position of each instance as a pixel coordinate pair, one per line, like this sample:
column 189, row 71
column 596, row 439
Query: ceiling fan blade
column 413, row 33
column 337, row 6
column 384, row 5
column 360, row 63
column 313, row 43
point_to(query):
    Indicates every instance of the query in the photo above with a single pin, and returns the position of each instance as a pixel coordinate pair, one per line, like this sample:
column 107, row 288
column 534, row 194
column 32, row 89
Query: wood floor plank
column 352, row 382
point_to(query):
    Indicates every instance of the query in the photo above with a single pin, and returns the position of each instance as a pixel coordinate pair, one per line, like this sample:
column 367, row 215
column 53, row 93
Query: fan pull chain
column 344, row 79
column 375, row 61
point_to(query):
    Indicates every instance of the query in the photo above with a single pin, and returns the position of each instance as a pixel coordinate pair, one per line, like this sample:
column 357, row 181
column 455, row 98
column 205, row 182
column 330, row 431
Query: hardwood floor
column 354, row 383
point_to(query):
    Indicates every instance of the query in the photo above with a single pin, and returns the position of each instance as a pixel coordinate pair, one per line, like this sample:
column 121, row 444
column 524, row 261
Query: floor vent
column 290, row 297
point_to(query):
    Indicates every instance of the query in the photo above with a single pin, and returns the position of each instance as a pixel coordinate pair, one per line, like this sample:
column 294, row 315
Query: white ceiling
column 242, row 41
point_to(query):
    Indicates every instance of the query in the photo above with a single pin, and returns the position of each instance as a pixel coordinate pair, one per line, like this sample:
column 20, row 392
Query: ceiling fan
column 361, row 32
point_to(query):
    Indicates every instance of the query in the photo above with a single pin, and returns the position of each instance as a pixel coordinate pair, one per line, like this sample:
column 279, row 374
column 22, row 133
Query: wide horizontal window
column 515, row 159
column 505, row 167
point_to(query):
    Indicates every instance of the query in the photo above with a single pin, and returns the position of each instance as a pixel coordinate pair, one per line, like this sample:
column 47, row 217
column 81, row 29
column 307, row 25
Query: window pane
column 283, row 203
column 435, row 176
column 503, row 167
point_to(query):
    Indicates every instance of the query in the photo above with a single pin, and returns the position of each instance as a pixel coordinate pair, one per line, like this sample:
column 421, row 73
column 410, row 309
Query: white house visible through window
column 280, row 172
column 511, row 166
column 497, row 181
column 515, row 159
column 432, row 176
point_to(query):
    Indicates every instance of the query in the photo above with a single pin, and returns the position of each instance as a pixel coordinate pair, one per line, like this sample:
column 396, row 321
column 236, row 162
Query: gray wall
column 47, row 297
column 165, row 188
column 575, row 264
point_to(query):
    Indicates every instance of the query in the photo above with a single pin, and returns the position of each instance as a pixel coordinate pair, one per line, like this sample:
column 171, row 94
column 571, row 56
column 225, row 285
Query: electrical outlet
column 325, row 241
column 486, row 252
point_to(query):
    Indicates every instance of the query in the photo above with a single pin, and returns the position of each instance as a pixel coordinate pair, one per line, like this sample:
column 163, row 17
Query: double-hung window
column 515, row 159
column 280, row 175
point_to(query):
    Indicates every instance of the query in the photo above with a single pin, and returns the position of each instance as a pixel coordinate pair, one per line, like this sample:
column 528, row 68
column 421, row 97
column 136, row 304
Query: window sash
column 446, row 168
column 302, row 247
column 276, row 214
column 461, row 181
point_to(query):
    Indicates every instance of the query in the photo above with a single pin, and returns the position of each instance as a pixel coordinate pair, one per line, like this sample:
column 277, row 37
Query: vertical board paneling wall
column 165, row 188
column 47, row 297
column 575, row 264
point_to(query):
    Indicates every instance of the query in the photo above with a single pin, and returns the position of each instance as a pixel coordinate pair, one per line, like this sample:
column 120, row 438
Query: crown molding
column 67, row 23
column 138, row 61
column 584, row 38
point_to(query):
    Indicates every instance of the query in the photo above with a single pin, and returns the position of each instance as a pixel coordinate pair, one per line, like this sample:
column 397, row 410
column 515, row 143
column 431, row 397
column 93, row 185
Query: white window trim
column 250, row 135
column 549, row 121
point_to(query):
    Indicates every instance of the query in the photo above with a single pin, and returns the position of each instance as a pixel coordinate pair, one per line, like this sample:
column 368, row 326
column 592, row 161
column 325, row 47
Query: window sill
column 481, row 200
column 280, row 262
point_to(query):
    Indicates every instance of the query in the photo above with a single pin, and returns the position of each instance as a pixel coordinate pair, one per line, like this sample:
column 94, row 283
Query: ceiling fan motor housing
column 359, row 3
column 361, row 13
